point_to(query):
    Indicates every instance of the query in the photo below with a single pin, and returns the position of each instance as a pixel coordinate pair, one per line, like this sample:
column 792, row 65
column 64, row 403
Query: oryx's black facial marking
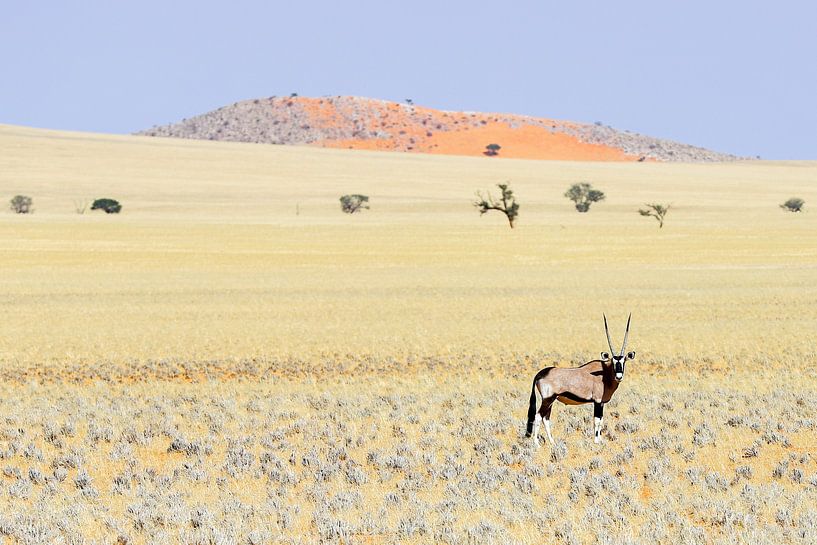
column 618, row 368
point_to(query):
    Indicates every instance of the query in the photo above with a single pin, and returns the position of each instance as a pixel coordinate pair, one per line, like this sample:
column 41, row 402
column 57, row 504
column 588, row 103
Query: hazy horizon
column 735, row 77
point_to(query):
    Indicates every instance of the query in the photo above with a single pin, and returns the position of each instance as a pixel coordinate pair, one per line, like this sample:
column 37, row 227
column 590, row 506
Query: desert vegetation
column 109, row 206
column 21, row 204
column 189, row 374
column 399, row 458
column 352, row 204
column 657, row 211
column 794, row 204
column 80, row 206
column 492, row 150
column 506, row 203
column 583, row 195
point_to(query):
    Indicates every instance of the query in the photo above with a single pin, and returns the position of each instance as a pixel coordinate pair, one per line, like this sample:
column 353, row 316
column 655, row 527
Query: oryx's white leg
column 598, row 421
column 547, row 429
column 536, row 421
column 547, row 405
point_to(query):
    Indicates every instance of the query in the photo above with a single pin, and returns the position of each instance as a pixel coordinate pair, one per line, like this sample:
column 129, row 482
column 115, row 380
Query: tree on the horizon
column 492, row 149
column 110, row 206
column 507, row 203
column 353, row 203
column 795, row 204
column 657, row 211
column 583, row 195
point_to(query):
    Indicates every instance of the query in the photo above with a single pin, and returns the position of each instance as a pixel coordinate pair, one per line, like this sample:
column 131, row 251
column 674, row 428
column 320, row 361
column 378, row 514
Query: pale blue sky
column 734, row 76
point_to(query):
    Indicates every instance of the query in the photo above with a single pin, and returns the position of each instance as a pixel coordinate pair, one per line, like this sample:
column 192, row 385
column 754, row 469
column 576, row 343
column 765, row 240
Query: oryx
column 595, row 381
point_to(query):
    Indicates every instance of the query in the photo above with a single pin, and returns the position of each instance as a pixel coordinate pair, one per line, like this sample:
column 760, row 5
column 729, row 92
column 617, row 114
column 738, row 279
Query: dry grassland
column 210, row 367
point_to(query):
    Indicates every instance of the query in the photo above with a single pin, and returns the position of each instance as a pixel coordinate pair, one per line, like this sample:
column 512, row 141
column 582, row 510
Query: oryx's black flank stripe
column 574, row 397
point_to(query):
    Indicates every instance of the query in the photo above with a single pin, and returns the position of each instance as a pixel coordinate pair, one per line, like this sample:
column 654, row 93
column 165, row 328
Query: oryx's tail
column 531, row 408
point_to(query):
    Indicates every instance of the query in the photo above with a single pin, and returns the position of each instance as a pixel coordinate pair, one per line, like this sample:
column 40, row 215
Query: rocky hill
column 363, row 123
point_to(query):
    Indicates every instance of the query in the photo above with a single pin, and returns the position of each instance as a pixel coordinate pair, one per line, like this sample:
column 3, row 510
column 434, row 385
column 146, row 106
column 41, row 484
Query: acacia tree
column 657, row 211
column 506, row 204
column 492, row 149
column 21, row 204
column 583, row 195
column 353, row 203
column 795, row 204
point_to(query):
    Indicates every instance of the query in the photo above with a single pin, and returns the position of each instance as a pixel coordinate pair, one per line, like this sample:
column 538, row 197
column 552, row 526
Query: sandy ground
column 234, row 360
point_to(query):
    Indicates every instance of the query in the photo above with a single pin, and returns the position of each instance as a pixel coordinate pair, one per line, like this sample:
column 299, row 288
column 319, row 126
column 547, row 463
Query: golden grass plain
column 382, row 361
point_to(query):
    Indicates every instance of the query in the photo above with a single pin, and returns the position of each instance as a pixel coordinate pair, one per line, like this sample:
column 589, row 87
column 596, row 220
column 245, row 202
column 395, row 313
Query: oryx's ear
column 605, row 356
column 631, row 355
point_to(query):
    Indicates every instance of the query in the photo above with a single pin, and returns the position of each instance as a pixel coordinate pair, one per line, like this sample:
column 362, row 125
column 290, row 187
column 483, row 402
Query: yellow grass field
column 231, row 359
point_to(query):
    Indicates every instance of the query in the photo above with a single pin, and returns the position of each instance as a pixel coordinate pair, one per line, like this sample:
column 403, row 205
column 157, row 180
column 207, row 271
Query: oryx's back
column 571, row 385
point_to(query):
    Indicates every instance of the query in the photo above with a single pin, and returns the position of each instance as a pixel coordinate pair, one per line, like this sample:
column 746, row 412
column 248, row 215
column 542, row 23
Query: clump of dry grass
column 399, row 459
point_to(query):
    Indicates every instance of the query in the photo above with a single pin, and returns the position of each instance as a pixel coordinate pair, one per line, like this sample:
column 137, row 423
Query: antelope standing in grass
column 594, row 382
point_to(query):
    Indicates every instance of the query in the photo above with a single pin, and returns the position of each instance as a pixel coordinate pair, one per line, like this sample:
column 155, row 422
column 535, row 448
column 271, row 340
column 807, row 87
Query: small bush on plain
column 110, row 206
column 21, row 204
column 795, row 204
column 351, row 204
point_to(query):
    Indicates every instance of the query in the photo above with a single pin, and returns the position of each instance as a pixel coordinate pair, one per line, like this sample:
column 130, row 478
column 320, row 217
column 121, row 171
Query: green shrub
column 21, row 204
column 795, row 204
column 110, row 206
column 353, row 203
column 492, row 149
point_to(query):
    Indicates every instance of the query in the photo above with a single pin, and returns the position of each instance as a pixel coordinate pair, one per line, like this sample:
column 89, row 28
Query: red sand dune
column 518, row 143
column 459, row 134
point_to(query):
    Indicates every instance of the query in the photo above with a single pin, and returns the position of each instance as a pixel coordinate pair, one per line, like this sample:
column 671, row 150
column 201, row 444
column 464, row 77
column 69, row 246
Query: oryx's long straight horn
column 626, row 333
column 606, row 330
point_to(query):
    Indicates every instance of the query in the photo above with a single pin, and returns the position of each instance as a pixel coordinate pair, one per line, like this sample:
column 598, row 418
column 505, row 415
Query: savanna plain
column 233, row 360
